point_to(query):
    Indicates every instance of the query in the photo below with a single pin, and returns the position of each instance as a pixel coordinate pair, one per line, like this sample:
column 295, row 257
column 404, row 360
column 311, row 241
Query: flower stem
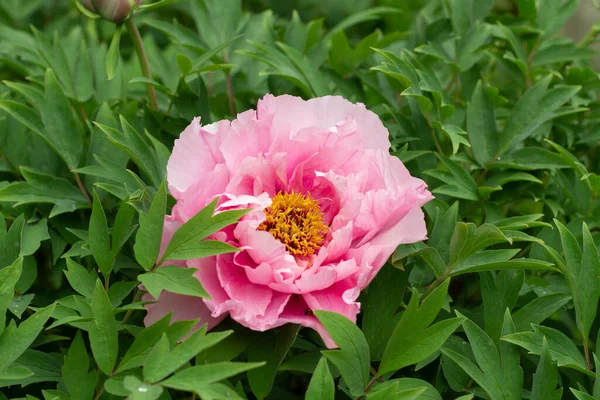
column 586, row 350
column 229, row 82
column 82, row 188
column 134, row 33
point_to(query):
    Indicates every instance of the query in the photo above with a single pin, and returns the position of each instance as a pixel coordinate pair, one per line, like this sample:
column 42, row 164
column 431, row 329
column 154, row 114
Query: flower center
column 296, row 220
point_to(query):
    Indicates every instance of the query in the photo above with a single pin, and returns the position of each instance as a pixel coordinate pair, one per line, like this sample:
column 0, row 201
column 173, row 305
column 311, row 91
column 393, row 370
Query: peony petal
column 184, row 308
column 195, row 153
column 298, row 312
column 333, row 299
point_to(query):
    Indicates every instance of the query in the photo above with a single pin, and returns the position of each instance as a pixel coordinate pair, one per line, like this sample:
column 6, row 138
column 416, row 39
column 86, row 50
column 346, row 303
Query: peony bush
column 366, row 200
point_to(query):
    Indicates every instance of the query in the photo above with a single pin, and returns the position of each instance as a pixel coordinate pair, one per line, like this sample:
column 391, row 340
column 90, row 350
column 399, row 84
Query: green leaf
column 496, row 379
column 32, row 236
column 79, row 383
column 143, row 343
column 193, row 379
column 545, row 377
column 481, row 125
column 500, row 293
column 103, row 330
column 149, row 236
column 321, row 386
column 468, row 239
column 9, row 277
column 156, row 5
column 379, row 307
column 583, row 270
column 537, row 106
column 99, row 240
column 413, row 339
column 163, row 361
column 562, row 349
column 19, row 304
column 180, row 280
column 80, row 279
column 123, row 228
column 458, row 182
column 14, row 341
column 184, row 63
column 270, row 346
column 44, row 188
column 61, row 129
column 392, row 392
column 353, row 359
column 199, row 227
column 113, row 57
column 538, row 310
column 201, row 249
column 139, row 390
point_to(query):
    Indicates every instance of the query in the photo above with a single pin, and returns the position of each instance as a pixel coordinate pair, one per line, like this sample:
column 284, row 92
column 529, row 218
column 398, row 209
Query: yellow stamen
column 296, row 221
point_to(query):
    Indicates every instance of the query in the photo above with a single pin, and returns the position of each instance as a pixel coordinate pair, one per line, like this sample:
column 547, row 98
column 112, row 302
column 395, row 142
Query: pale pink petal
column 200, row 194
column 333, row 299
column 170, row 227
column 195, row 153
column 184, row 308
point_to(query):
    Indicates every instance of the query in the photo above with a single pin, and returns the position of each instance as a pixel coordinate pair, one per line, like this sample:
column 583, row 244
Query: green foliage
column 487, row 101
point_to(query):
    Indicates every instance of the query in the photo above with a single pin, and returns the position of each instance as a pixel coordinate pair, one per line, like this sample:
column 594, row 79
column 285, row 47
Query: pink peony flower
column 330, row 205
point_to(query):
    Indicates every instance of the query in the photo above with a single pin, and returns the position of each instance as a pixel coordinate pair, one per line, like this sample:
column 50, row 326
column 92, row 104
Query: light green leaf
column 200, row 226
column 173, row 279
column 193, row 378
column 113, row 57
column 321, row 386
column 163, row 361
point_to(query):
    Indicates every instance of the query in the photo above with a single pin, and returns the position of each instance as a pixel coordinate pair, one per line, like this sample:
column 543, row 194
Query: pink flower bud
column 112, row 10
